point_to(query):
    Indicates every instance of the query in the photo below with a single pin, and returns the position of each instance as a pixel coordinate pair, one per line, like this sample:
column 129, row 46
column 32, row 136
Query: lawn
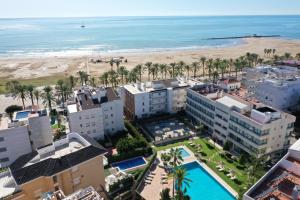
column 213, row 157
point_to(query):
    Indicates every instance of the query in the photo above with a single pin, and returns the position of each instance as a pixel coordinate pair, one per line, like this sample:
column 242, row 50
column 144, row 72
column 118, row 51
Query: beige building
column 68, row 165
column 249, row 126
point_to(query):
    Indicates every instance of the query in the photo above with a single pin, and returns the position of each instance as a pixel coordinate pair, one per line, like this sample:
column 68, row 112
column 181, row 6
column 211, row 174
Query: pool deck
column 152, row 191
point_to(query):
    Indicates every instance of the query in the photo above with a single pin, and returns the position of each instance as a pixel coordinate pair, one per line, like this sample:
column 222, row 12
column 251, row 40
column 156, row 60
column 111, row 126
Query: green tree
column 203, row 61
column 30, row 90
column 187, row 68
column 93, row 82
column 165, row 194
column 11, row 86
column 11, row 109
column 139, row 72
column 72, row 81
column 298, row 56
column 122, row 72
column 21, row 93
column 83, row 77
column 104, row 78
column 111, row 63
column 173, row 66
column 148, row 66
column 210, row 67
column 195, row 66
column 48, row 97
column 176, row 160
column 36, row 94
column 180, row 175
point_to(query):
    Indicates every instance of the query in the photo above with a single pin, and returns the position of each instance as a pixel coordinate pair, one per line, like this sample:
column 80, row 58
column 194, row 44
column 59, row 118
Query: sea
column 96, row 35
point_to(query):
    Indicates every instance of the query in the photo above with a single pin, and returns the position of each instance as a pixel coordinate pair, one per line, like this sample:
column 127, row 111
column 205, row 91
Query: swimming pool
column 130, row 164
column 22, row 115
column 183, row 152
column 203, row 185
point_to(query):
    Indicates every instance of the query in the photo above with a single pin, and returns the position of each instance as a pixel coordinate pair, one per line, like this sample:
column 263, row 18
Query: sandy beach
column 37, row 67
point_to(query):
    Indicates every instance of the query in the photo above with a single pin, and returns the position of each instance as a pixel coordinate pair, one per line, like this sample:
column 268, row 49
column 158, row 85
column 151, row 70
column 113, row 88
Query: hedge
column 128, row 155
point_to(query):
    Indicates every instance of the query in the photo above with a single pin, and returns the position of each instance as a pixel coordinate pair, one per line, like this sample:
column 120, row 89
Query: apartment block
column 142, row 100
column 248, row 125
column 282, row 181
column 67, row 165
column 278, row 86
column 29, row 129
column 96, row 112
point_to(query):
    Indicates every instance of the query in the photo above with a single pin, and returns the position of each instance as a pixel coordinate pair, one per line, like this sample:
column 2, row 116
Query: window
column 4, row 159
column 54, row 178
column 94, row 131
column 1, row 139
column 3, row 149
column 112, row 115
column 79, row 117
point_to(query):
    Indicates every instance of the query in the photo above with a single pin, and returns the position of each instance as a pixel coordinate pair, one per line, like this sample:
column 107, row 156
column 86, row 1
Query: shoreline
column 26, row 68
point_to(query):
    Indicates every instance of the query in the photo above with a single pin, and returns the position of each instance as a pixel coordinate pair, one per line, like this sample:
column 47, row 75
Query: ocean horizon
column 100, row 35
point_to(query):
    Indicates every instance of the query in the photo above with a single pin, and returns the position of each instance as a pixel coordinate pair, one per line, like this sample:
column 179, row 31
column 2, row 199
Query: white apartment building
column 282, row 181
column 28, row 131
column 278, row 86
column 142, row 100
column 246, row 124
column 96, row 112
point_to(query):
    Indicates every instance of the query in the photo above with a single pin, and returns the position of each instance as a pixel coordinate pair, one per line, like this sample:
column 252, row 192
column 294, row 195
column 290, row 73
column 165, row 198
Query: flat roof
column 230, row 102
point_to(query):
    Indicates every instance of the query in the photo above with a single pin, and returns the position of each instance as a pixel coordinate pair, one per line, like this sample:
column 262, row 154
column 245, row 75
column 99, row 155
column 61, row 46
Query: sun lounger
column 221, row 169
column 152, row 173
column 148, row 182
column 233, row 178
column 164, row 182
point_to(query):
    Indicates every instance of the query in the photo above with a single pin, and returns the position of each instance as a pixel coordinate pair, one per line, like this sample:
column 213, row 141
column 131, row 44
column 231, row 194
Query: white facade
column 249, row 126
column 278, row 87
column 14, row 142
column 98, row 113
column 142, row 100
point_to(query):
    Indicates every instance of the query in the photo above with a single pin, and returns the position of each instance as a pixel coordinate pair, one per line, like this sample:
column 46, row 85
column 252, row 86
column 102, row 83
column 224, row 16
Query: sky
column 90, row 8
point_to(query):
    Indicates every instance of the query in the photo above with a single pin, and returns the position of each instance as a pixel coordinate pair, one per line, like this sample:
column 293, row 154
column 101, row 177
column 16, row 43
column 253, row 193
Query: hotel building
column 67, row 165
column 246, row 124
column 96, row 112
column 27, row 131
column 282, row 181
column 142, row 100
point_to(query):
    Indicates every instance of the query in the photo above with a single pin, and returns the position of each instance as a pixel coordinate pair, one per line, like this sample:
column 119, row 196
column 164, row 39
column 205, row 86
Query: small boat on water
column 82, row 26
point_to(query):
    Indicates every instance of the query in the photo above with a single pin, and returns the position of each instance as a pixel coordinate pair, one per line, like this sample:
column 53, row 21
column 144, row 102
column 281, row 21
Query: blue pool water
column 127, row 164
column 203, row 185
column 22, row 114
column 184, row 153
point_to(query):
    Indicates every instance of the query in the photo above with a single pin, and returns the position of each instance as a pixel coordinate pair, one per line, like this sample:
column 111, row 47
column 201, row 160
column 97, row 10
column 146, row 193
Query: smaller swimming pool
column 130, row 164
column 183, row 152
column 22, row 115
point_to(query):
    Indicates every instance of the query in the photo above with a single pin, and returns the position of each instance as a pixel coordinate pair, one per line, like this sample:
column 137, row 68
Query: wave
column 98, row 50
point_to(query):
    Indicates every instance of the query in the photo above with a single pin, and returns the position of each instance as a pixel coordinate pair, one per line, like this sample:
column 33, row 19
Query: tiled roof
column 52, row 166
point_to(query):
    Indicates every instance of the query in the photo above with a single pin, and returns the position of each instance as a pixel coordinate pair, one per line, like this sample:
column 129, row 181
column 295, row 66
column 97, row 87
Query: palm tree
column 223, row 66
column 203, row 60
column 10, row 110
column 179, row 68
column 215, row 76
column 30, row 89
column 139, row 71
column 154, row 70
column 118, row 61
column 187, row 69
column 132, row 76
column 12, row 86
column 287, row 55
column 165, row 194
column 83, row 77
column 176, row 160
column 104, row 78
column 173, row 65
column 72, row 81
column 65, row 91
column 122, row 72
column 180, row 174
column 273, row 51
column 93, row 82
column 21, row 93
column 113, row 78
column 48, row 97
column 36, row 94
column 298, row 56
column 237, row 66
column 59, row 86
column 195, row 67
column 148, row 67
column 111, row 63
column 210, row 67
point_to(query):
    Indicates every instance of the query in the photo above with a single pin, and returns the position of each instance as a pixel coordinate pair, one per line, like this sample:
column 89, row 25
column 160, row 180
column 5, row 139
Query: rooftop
column 156, row 85
column 56, row 157
column 88, row 193
column 282, row 181
column 231, row 102
column 89, row 98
